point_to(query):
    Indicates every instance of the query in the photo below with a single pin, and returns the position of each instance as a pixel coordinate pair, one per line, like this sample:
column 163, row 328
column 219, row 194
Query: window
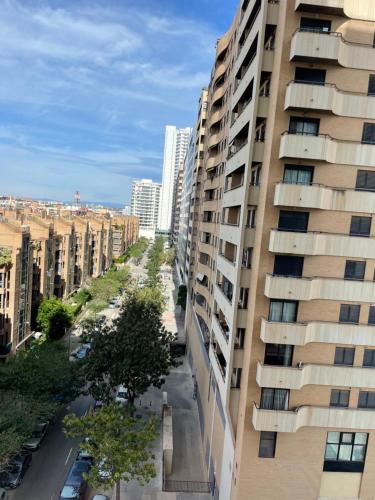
column 308, row 75
column 368, row 134
column 255, row 175
column 278, row 355
column 345, row 451
column 293, row 221
column 288, row 265
column 371, row 85
column 274, row 399
column 267, row 444
column 319, row 25
column 250, row 219
column 305, row 126
column 239, row 338
column 344, row 356
column 366, row 399
column 246, row 257
column 243, row 298
column 339, row 398
column 369, row 358
column 284, row 311
column 236, row 378
column 354, row 270
column 298, row 175
column 365, row 180
column 360, row 226
column 371, row 315
column 349, row 313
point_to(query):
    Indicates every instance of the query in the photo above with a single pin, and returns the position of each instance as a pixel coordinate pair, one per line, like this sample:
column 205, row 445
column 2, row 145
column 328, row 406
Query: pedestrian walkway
column 188, row 461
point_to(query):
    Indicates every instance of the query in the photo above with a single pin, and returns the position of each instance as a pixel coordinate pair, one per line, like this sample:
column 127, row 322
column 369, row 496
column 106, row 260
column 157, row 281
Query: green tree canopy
column 118, row 443
column 53, row 318
column 134, row 351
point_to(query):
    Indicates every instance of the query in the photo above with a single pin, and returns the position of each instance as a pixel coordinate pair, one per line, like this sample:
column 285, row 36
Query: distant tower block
column 77, row 198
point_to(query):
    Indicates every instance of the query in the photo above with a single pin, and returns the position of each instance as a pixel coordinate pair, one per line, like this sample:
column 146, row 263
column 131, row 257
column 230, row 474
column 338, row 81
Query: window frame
column 345, row 352
column 359, row 269
column 368, row 130
column 350, row 308
column 283, row 213
column 267, row 436
column 344, row 441
column 283, row 302
column 299, row 169
column 371, row 353
column 339, row 393
column 360, row 220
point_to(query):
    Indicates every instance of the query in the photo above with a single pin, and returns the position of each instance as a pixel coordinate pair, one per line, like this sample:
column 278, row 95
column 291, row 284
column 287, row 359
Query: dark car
column 12, row 475
column 75, row 483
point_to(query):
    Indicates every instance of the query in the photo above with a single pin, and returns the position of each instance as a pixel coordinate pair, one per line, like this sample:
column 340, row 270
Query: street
column 50, row 464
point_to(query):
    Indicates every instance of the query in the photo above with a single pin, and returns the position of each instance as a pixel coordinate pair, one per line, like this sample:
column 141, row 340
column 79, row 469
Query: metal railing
column 186, row 486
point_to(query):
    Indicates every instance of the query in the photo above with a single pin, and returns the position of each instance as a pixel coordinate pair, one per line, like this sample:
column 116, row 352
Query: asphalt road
column 50, row 464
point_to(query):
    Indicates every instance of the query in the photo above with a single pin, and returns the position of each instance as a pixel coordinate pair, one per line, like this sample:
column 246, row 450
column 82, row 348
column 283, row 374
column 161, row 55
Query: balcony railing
column 235, row 148
column 224, row 328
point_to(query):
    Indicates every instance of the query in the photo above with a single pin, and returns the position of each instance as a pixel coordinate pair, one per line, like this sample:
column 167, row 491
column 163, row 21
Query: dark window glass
column 284, row 311
column 311, row 24
column 369, row 358
column 360, row 226
column 354, row 270
column 349, row 313
column 308, row 75
column 368, row 134
column 293, row 221
column 306, row 126
column 371, row 85
column 365, row 180
column 344, row 356
column 339, row 398
column 267, row 444
column 288, row 265
column 298, row 175
column 345, row 451
column 278, row 355
column 371, row 315
column 366, row 399
column 274, row 399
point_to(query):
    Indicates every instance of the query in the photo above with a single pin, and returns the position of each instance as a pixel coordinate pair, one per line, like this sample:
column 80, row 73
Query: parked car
column 81, row 353
column 75, row 484
column 98, row 404
column 83, row 454
column 4, row 494
column 96, row 497
column 104, row 469
column 122, row 395
column 12, row 475
column 37, row 437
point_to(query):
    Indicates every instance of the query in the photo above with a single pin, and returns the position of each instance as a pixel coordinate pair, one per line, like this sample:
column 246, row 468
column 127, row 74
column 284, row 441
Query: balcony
column 280, row 287
column 331, row 47
column 326, row 148
column 312, row 416
column 324, row 198
column 218, row 372
column 273, row 332
column 329, row 98
column 316, row 243
column 348, row 8
column 287, row 377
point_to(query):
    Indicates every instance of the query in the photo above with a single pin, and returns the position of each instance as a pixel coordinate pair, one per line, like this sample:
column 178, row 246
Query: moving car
column 122, row 395
column 37, row 437
column 75, row 483
column 12, row 475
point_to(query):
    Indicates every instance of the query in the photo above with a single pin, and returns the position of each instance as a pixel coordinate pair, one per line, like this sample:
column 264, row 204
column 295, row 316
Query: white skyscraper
column 145, row 205
column 175, row 147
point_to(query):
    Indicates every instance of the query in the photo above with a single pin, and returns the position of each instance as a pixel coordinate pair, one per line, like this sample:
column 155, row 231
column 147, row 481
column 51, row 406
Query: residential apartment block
column 175, row 146
column 280, row 318
column 124, row 233
column 42, row 256
column 145, row 204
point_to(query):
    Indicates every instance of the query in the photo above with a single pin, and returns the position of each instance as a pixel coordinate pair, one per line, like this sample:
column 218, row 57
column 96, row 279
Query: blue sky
column 87, row 87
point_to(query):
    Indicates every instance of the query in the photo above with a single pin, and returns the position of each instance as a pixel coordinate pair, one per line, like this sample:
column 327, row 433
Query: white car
column 122, row 395
column 100, row 497
column 34, row 442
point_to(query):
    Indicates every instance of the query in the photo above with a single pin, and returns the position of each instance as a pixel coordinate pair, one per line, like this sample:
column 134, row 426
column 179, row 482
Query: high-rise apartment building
column 145, row 204
column 190, row 196
column 177, row 198
column 175, row 146
column 280, row 317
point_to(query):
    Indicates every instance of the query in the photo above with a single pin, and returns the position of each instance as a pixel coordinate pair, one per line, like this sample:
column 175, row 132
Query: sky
column 87, row 88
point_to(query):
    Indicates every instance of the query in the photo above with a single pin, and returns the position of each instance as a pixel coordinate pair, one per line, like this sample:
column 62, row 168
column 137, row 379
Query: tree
column 169, row 256
column 119, row 443
column 134, row 351
column 43, row 372
column 53, row 318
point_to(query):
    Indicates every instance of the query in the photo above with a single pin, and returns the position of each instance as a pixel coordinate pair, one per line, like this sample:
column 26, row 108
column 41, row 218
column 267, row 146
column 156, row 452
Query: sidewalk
column 188, row 461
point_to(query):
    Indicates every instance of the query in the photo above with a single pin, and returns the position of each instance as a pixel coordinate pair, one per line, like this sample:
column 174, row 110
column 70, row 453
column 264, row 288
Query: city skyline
column 93, row 119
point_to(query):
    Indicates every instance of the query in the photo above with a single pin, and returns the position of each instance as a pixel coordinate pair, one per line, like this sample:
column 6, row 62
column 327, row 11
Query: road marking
column 67, row 458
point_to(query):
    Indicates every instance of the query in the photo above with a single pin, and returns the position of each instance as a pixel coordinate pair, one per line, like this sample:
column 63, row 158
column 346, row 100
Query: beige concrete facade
column 284, row 217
